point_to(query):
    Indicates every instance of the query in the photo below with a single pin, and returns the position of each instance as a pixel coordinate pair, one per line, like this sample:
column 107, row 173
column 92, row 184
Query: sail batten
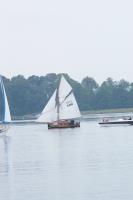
column 62, row 104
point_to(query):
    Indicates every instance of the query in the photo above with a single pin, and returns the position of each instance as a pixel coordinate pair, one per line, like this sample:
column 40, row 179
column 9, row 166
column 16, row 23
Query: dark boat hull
column 63, row 125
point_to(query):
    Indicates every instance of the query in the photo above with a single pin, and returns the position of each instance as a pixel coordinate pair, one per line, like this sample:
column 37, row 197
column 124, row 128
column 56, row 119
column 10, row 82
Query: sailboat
column 5, row 118
column 62, row 108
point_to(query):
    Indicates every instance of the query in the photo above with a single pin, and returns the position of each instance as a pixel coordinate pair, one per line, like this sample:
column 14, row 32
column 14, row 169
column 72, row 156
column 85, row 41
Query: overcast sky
column 80, row 37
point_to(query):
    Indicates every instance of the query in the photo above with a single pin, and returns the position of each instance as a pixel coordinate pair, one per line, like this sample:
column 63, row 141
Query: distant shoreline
column 117, row 110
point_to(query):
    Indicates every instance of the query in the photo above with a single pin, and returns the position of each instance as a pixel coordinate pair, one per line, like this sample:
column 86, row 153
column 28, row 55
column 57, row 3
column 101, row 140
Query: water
column 87, row 163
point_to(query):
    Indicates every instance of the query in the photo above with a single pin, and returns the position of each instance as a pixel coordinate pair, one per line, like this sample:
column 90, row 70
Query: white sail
column 64, row 108
column 68, row 108
column 7, row 116
column 7, row 111
column 50, row 111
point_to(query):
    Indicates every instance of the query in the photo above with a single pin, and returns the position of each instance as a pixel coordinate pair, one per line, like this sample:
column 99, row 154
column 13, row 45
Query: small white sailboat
column 62, row 108
column 5, row 111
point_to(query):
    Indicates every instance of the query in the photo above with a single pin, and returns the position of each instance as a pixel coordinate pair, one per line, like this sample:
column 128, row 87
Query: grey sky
column 82, row 38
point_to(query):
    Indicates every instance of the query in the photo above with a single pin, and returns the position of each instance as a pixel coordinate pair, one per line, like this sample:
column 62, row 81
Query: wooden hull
column 63, row 125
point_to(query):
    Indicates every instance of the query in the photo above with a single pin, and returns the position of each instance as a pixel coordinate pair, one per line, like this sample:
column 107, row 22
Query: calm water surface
column 87, row 163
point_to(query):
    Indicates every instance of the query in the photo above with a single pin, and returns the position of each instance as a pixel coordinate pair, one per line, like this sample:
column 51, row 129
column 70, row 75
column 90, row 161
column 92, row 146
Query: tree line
column 30, row 95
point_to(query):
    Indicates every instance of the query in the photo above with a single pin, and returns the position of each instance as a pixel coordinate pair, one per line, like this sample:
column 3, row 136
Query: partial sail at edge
column 5, row 106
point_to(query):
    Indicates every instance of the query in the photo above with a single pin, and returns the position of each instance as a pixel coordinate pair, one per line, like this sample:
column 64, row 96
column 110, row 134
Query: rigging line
column 66, row 97
column 57, row 101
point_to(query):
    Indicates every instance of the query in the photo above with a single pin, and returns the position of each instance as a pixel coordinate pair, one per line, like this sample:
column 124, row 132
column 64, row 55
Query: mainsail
column 6, row 117
column 62, row 104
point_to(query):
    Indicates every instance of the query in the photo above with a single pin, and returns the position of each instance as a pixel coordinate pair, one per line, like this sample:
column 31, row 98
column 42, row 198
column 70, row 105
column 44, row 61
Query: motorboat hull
column 130, row 122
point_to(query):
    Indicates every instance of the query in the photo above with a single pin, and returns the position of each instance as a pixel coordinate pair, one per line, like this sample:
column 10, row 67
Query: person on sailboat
column 72, row 122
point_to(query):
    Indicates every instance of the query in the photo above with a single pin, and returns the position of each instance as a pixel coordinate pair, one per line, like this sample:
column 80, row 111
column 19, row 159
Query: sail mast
column 58, row 102
column 58, row 106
